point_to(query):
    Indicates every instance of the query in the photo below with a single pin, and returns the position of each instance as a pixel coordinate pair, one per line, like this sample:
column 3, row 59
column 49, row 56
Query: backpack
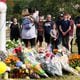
column 26, row 23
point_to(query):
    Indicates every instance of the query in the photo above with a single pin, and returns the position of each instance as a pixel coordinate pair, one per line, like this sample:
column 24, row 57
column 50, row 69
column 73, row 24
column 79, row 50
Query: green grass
column 64, row 77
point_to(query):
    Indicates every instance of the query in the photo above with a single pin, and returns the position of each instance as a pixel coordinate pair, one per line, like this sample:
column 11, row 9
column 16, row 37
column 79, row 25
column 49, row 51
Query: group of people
column 34, row 28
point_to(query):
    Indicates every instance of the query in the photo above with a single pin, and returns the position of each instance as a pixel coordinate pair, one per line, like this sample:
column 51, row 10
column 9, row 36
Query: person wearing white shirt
column 54, row 37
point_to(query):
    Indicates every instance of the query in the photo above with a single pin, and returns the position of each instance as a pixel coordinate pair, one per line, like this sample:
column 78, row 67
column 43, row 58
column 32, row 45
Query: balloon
column 3, row 67
column 19, row 64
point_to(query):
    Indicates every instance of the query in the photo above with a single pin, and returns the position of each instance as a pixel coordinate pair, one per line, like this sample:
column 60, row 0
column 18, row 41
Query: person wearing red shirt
column 71, row 32
column 40, row 31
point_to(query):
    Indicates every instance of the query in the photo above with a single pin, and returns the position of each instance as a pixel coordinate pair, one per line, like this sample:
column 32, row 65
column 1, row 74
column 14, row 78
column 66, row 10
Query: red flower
column 48, row 55
column 17, row 50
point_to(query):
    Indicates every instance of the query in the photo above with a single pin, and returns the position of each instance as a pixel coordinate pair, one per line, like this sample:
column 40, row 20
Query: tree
column 15, row 7
column 54, row 7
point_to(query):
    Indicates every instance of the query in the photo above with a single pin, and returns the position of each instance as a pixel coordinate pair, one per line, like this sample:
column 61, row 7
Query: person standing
column 40, row 30
column 71, row 32
column 47, row 28
column 54, row 37
column 58, row 23
column 78, row 33
column 65, row 28
column 28, row 33
column 14, row 30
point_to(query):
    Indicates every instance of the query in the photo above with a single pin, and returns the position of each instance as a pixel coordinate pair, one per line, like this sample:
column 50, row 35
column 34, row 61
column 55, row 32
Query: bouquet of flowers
column 74, row 60
column 11, row 60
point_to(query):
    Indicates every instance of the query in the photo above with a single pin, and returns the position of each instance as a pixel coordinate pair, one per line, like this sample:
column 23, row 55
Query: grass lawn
column 65, row 77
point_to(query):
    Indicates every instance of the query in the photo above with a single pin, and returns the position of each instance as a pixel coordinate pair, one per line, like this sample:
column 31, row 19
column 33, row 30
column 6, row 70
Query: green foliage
column 45, row 7
column 12, row 44
column 53, row 6
column 15, row 7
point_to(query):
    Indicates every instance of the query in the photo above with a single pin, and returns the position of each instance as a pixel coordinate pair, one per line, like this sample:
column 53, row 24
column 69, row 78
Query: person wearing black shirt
column 58, row 23
column 14, row 30
column 65, row 28
column 47, row 28
column 78, row 33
